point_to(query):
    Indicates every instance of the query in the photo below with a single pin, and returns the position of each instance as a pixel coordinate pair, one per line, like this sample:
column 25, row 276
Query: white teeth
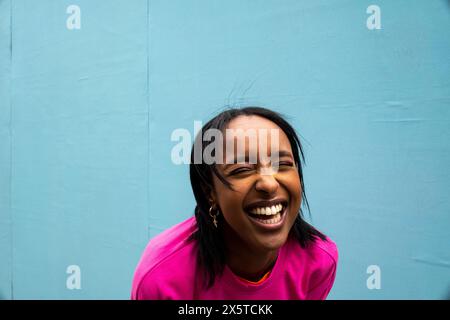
column 276, row 219
column 269, row 211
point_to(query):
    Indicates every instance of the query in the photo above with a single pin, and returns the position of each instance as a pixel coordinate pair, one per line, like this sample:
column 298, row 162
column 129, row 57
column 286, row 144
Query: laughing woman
column 248, row 238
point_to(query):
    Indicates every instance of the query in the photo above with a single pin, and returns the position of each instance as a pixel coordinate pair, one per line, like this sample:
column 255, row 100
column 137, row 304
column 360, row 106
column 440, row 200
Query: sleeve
column 327, row 274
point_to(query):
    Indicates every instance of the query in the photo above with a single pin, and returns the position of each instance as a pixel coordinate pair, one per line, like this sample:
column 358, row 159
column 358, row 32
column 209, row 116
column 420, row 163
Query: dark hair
column 211, row 247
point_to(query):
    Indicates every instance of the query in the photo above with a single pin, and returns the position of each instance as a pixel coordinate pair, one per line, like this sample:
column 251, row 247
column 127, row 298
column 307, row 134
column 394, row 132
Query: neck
column 248, row 263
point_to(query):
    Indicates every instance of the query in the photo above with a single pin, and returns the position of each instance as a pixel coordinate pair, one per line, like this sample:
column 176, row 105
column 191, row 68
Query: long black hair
column 211, row 246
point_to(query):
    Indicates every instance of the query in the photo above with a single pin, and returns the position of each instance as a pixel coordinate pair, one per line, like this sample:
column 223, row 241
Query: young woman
column 248, row 238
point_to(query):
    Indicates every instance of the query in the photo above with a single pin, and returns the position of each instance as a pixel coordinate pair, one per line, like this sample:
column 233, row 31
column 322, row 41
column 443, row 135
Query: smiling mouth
column 269, row 215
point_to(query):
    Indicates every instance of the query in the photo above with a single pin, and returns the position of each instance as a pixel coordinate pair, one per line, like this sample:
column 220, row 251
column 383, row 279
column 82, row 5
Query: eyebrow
column 281, row 153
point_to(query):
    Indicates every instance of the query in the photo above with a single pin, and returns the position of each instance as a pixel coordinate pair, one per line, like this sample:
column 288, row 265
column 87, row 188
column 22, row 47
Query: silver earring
column 213, row 216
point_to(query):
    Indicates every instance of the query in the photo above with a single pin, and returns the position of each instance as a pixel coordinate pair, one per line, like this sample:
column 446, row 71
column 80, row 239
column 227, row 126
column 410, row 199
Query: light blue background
column 86, row 117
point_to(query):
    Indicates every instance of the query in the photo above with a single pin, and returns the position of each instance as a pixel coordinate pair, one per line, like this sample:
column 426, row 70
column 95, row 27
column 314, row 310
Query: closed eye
column 285, row 164
column 241, row 170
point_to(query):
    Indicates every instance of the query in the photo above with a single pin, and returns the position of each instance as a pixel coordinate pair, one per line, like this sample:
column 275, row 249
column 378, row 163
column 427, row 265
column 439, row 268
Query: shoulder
column 326, row 250
column 168, row 261
column 315, row 264
column 323, row 258
column 322, row 276
column 318, row 254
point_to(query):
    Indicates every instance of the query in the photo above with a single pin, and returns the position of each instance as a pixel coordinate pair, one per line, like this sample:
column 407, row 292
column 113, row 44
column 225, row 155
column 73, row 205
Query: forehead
column 258, row 124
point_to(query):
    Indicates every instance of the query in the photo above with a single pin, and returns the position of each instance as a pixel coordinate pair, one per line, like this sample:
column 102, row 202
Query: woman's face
column 264, row 204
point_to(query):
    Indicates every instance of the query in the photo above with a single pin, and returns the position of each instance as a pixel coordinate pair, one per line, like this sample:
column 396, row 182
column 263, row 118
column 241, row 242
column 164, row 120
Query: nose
column 267, row 183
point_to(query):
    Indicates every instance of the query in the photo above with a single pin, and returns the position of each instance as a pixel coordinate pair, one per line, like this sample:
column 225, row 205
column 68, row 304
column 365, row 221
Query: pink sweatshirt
column 168, row 270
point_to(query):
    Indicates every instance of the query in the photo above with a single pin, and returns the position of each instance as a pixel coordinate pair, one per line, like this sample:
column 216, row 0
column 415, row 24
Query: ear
column 212, row 198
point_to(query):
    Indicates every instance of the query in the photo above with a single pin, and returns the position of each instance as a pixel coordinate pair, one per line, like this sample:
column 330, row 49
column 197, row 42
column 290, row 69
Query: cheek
column 230, row 205
column 295, row 190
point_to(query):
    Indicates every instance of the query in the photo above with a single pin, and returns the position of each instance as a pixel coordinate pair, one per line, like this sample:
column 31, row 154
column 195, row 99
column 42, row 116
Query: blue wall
column 86, row 117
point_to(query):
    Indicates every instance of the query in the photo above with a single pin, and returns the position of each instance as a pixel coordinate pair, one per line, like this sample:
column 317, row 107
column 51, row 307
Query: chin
column 274, row 243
